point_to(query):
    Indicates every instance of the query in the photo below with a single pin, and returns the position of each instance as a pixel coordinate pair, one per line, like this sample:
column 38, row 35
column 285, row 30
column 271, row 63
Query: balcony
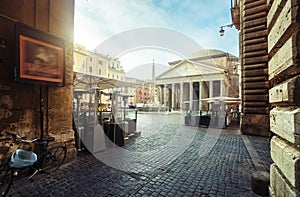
column 235, row 13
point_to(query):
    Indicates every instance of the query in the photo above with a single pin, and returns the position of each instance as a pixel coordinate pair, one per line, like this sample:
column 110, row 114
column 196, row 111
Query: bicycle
column 47, row 160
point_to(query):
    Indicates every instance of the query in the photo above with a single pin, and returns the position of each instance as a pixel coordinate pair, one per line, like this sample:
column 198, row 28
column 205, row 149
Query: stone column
column 222, row 88
column 161, row 94
column 165, row 95
column 211, row 91
column 191, row 95
column 200, row 95
column 181, row 96
column 173, row 95
column 211, row 88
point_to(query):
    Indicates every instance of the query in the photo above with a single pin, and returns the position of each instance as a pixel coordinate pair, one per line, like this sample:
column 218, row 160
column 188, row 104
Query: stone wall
column 284, row 95
column 19, row 102
column 254, row 69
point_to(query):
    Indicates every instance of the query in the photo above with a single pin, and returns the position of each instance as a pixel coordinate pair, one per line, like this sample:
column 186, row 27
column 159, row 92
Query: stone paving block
column 223, row 172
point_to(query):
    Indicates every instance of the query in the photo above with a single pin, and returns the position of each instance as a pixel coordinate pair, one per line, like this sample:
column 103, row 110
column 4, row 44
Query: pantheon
column 205, row 74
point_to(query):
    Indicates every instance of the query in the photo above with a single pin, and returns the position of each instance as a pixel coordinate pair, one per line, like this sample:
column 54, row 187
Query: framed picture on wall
column 40, row 57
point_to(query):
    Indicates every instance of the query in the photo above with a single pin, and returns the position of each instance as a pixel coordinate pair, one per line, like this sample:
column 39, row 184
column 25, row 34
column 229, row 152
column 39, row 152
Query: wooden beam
column 254, row 4
column 255, row 22
column 254, row 54
column 254, row 73
column 246, row 2
column 255, row 104
column 255, row 79
column 251, row 98
column 256, row 85
column 255, row 47
column 255, row 66
column 255, row 10
column 255, row 28
column 252, row 110
column 257, row 91
column 254, row 60
column 256, row 40
column 257, row 34
column 254, row 16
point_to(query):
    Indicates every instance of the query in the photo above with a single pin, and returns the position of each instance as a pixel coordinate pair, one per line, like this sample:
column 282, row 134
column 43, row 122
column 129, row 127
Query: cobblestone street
column 168, row 159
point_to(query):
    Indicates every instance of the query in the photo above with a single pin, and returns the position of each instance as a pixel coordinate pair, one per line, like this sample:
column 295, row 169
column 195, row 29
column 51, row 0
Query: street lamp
column 222, row 31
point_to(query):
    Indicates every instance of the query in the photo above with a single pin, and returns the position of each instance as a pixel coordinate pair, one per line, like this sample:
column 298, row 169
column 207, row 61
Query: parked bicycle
column 47, row 159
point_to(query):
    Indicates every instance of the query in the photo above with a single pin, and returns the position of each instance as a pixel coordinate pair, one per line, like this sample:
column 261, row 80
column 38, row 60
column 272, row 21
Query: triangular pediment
column 188, row 68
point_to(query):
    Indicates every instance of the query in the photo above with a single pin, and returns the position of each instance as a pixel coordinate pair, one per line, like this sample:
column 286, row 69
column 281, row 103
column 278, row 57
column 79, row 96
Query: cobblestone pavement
column 224, row 171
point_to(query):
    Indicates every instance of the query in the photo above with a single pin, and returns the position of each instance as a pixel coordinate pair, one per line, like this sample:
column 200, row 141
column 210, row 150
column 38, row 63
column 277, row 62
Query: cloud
column 136, row 58
column 144, row 71
column 98, row 20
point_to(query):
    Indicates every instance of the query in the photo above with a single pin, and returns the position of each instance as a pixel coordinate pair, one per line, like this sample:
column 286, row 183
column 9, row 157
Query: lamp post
column 222, row 31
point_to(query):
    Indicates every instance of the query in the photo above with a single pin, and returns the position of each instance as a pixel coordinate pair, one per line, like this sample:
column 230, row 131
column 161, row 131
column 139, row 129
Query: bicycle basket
column 23, row 158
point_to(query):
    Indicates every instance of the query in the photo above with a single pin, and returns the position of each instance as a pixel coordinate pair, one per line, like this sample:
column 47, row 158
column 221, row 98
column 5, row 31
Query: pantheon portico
column 206, row 74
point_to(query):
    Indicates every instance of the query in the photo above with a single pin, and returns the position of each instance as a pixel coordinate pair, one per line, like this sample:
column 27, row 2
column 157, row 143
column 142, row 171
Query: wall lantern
column 222, row 31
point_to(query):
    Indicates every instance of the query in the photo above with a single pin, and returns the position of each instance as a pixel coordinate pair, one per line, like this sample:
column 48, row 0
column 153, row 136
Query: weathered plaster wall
column 20, row 103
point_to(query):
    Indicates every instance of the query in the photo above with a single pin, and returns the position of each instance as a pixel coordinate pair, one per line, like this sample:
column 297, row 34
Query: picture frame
column 40, row 57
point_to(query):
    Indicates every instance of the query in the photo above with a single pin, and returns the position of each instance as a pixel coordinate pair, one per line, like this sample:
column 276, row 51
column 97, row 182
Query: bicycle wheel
column 54, row 159
column 6, row 178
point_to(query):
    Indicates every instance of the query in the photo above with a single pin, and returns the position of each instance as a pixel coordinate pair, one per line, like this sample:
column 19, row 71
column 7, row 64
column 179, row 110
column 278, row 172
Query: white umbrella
column 221, row 98
column 225, row 99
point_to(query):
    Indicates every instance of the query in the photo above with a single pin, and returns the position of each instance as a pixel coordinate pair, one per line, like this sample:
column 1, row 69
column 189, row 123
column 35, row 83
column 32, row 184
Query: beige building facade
column 90, row 67
column 142, row 94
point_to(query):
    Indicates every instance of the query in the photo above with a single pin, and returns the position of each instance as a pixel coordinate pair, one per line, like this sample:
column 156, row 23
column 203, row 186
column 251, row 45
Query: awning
column 87, row 81
column 106, row 83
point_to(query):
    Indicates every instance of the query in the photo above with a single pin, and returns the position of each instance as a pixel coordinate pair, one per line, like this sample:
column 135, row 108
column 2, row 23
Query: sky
column 162, row 29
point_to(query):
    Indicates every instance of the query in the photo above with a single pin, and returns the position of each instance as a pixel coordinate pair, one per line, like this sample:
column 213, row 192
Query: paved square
column 167, row 160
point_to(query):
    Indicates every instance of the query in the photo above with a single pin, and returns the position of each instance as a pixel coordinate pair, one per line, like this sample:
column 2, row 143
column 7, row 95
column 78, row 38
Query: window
column 99, row 71
column 108, row 75
column 83, row 64
column 90, row 69
column 100, row 62
column 91, row 58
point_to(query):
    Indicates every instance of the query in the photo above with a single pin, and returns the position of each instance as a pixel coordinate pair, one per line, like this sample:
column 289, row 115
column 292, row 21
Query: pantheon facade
column 207, row 73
